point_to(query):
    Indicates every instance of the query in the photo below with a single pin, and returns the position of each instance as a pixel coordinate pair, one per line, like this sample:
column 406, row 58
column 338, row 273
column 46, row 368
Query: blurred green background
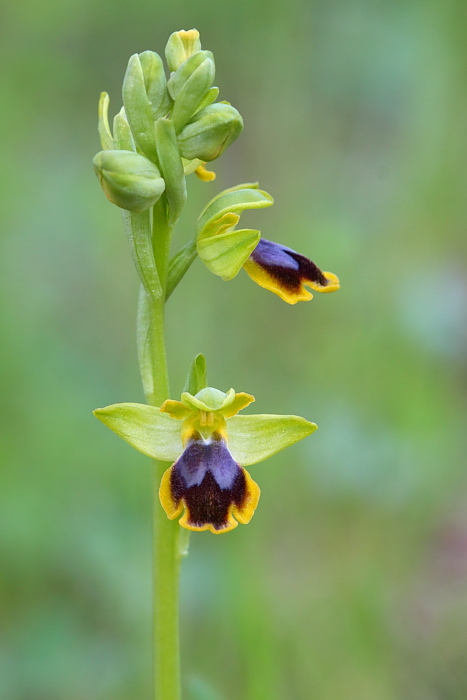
column 351, row 580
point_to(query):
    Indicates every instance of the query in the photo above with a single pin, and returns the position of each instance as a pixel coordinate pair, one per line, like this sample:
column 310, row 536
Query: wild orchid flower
column 209, row 445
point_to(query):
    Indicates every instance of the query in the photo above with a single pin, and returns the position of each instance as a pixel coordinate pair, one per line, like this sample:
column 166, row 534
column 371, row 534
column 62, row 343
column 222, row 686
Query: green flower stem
column 167, row 556
column 167, row 561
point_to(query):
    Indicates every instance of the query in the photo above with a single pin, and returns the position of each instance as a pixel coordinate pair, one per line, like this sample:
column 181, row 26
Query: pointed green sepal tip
column 210, row 132
column 128, row 179
column 197, row 377
column 145, row 428
column 255, row 438
column 180, row 46
column 209, row 98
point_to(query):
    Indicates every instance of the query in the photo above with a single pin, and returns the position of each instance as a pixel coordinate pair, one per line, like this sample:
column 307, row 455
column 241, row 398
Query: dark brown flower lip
column 286, row 265
column 209, row 481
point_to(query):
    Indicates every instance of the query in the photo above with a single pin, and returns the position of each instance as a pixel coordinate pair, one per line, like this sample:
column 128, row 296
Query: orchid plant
column 167, row 129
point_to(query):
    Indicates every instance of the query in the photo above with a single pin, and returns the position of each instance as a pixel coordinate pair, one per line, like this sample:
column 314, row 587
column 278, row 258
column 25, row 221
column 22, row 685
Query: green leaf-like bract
column 196, row 379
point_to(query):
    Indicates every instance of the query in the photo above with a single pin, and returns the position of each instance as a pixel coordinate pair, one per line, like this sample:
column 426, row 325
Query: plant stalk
column 166, row 532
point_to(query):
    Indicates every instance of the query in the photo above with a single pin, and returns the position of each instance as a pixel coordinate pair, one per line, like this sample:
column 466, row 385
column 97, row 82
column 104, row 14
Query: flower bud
column 128, row 179
column 155, row 83
column 180, row 46
column 189, row 85
column 210, row 132
column 145, row 98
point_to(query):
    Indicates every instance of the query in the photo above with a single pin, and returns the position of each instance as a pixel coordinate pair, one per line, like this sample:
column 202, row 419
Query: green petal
column 254, row 438
column 241, row 401
column 235, row 200
column 145, row 428
column 226, row 253
column 226, row 222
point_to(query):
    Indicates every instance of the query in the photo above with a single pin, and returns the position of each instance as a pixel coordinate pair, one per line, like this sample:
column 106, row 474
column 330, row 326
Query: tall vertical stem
column 166, row 548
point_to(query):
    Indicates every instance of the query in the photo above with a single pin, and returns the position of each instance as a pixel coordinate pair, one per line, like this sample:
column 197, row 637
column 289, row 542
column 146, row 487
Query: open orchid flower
column 209, row 445
column 225, row 249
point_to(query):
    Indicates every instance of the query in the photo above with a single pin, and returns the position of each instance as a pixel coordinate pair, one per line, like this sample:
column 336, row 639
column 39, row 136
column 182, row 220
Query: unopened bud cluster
column 166, row 129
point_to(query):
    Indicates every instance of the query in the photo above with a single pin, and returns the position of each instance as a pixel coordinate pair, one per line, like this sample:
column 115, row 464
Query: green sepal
column 209, row 132
column 252, row 439
column 235, row 188
column 171, row 166
column 180, row 46
column 210, row 97
column 103, row 127
column 196, row 379
column 139, row 234
column 155, row 82
column 189, row 85
column 138, row 108
column 208, row 399
column 123, row 138
column 145, row 428
column 232, row 200
column 226, row 253
column 128, row 179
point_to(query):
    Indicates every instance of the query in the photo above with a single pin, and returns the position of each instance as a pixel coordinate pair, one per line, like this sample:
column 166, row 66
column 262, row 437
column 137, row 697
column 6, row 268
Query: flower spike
column 287, row 273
